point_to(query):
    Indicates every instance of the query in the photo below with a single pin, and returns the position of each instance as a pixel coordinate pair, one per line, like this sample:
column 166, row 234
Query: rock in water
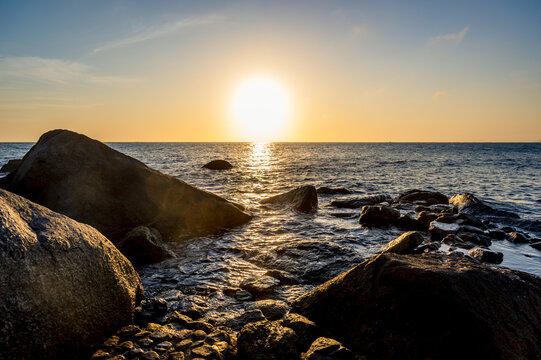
column 427, row 197
column 332, row 191
column 143, row 245
column 485, row 255
column 468, row 204
column 94, row 184
column 267, row 340
column 405, row 243
column 10, row 166
column 429, row 306
column 303, row 199
column 63, row 285
column 218, row 165
column 328, row 349
column 359, row 202
column 378, row 215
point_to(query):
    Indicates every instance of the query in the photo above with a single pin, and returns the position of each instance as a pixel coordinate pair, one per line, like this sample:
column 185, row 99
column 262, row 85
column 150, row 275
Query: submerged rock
column 303, row 199
column 144, row 245
column 518, row 238
column 405, row 243
column 94, row 184
column 11, row 165
column 378, row 215
column 426, row 305
column 439, row 230
column 267, row 340
column 332, row 191
column 63, row 285
column 360, row 202
column 218, row 165
column 423, row 196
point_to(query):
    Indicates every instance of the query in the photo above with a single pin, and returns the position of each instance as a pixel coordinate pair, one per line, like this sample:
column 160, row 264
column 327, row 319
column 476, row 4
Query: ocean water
column 312, row 248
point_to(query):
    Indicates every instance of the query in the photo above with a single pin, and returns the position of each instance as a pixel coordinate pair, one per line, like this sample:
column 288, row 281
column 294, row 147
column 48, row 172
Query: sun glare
column 261, row 108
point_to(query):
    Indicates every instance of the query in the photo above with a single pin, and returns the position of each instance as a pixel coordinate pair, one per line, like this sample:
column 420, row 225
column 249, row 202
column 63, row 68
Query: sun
column 261, row 107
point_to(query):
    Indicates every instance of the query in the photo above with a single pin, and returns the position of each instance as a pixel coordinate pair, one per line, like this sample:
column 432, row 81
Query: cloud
column 455, row 37
column 24, row 69
column 439, row 95
column 158, row 31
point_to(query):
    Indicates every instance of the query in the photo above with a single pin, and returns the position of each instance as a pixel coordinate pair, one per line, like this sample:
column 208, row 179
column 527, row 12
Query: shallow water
column 313, row 248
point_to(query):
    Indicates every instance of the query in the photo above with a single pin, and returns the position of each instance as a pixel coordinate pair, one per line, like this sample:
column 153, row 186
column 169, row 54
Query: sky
column 352, row 71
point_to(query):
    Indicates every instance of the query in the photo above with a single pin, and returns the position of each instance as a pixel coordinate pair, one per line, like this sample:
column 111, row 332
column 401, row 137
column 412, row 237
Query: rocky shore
column 77, row 216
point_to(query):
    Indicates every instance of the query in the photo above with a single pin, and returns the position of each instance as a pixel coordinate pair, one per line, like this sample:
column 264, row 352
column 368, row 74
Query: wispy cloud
column 440, row 95
column 27, row 69
column 454, row 37
column 158, row 31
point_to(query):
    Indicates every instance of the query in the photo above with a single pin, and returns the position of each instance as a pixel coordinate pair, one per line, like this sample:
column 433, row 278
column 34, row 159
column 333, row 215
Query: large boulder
column 10, row 166
column 303, row 199
column 218, row 165
column 63, row 285
column 94, row 184
column 429, row 306
column 468, row 203
column 405, row 243
column 378, row 215
column 422, row 196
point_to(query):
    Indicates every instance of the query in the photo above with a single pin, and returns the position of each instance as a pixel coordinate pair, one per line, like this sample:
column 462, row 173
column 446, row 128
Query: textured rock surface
column 332, row 191
column 267, row 340
column 328, row 349
column 10, row 166
column 359, row 202
column 303, row 199
column 94, row 184
column 405, row 243
column 218, row 165
column 378, row 215
column 424, row 196
column 143, row 245
column 416, row 306
column 63, row 284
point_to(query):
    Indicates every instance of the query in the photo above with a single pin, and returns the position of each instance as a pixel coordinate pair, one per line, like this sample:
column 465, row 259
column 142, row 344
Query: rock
column 332, row 191
column 439, row 230
column 518, row 238
column 143, row 245
column 328, row 349
column 218, row 165
column 151, row 310
column 94, row 184
column 11, row 165
column 246, row 317
column 405, row 243
column 267, row 340
column 406, row 222
column 391, row 305
column 305, row 329
column 360, row 202
column 282, row 276
column 467, row 203
column 64, row 285
column 303, row 199
column 536, row 245
column 425, row 218
column 426, row 197
column 497, row 234
column 378, row 215
column 272, row 309
column 474, row 238
column 261, row 286
column 455, row 240
column 485, row 255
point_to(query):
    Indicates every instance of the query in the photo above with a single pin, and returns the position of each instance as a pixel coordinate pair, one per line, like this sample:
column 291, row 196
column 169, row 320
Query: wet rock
column 151, row 310
column 391, row 305
column 243, row 295
column 261, row 286
column 439, row 230
column 457, row 241
column 303, row 199
column 247, row 317
column 218, row 165
column 60, row 280
column 284, row 277
column 469, row 204
column 406, row 222
column 427, row 246
column 468, row 219
column 267, row 340
column 143, row 245
column 485, row 255
column 474, row 238
column 518, row 238
column 343, row 215
column 180, row 319
column 11, row 165
column 447, row 218
column 422, row 196
column 378, row 215
column 306, row 330
column 497, row 234
column 94, row 184
column 360, row 202
column 536, row 245
column 405, row 243
column 332, row 191
column 328, row 349
column 272, row 309
column 425, row 218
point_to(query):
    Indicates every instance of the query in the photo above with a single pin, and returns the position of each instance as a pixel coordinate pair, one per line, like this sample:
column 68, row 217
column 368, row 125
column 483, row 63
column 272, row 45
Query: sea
column 309, row 249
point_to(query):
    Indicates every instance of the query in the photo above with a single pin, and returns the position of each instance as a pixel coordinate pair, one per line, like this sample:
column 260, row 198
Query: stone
column 332, row 191
column 328, row 349
column 60, row 280
column 261, row 286
column 405, row 243
column 406, row 222
column 360, row 202
column 440, row 230
column 177, row 355
column 11, row 165
column 150, row 355
column 425, row 218
column 249, row 316
column 96, row 185
column 425, row 305
column 143, row 245
column 284, row 277
column 536, row 245
column 469, row 204
column 518, row 238
column 306, row 330
column 272, row 309
column 180, row 319
column 204, row 351
column 243, row 295
column 302, row 199
column 199, row 335
column 497, row 234
column 267, row 340
column 485, row 255
column 378, row 215
column 426, row 197
column 218, row 165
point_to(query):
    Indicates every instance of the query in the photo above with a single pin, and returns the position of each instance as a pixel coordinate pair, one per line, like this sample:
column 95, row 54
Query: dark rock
column 144, row 245
column 485, row 255
column 427, row 247
column 360, row 202
column 425, row 218
column 247, row 317
column 467, row 203
column 440, row 230
column 328, row 349
column 391, row 305
column 406, row 222
column 272, row 309
column 11, row 165
column 151, row 310
column 497, row 234
column 378, row 215
column 518, row 238
column 536, row 245
column 303, row 199
column 306, row 330
column 447, row 218
column 243, row 295
column 343, row 215
column 63, row 285
column 474, row 238
column 261, row 286
column 332, row 191
column 405, row 243
column 284, row 277
column 267, row 340
column 468, row 219
column 427, row 197
column 94, row 184
column 455, row 240
column 218, row 165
